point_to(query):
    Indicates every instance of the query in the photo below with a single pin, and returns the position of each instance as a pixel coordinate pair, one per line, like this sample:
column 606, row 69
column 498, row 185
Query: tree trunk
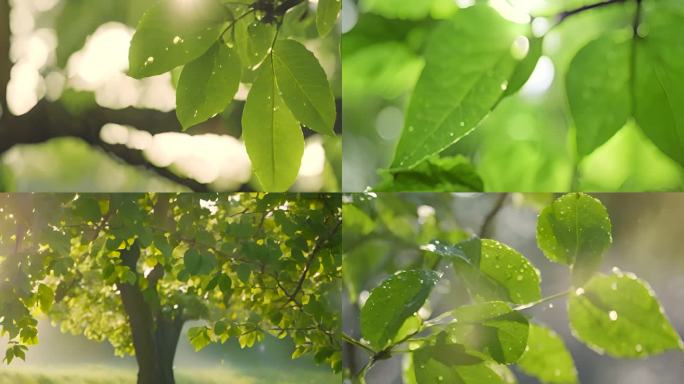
column 155, row 336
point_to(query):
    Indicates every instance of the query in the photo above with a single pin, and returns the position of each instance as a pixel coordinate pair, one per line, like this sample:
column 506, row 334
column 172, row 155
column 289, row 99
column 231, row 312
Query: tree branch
column 564, row 15
column 485, row 229
column 51, row 120
column 5, row 62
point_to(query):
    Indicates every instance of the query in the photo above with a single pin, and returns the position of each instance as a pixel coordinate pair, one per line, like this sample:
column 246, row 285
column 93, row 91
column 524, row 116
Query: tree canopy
column 132, row 269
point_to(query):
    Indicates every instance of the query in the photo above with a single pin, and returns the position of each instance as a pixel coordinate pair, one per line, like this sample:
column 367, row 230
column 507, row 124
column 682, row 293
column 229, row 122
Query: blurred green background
column 66, row 359
column 647, row 231
column 525, row 144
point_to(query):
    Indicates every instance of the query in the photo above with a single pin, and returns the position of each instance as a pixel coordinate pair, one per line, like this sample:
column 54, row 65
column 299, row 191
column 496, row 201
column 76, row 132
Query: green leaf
column 575, row 230
column 304, row 86
column 45, row 298
column 526, row 66
column 598, row 87
column 492, row 270
column 253, row 40
column 272, row 135
column 392, row 302
column 658, row 83
column 447, row 174
column 450, row 363
column 199, row 337
column 412, row 10
column 386, row 69
column 173, row 33
column 207, row 85
column 547, row 358
column 492, row 328
column 326, row 15
column 620, row 315
column 362, row 262
column 192, row 261
column 470, row 59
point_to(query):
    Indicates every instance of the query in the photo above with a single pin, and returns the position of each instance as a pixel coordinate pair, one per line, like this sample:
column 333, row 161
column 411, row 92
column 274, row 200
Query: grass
column 106, row 375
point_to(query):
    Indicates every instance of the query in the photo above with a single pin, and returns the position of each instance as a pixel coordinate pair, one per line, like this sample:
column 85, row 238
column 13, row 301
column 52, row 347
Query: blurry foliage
column 246, row 265
column 518, row 141
column 404, row 255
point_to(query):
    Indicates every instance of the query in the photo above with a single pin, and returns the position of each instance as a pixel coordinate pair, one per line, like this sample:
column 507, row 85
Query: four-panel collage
column 341, row 191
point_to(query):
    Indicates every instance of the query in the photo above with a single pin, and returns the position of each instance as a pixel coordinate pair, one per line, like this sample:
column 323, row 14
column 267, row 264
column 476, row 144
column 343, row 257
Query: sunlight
column 101, row 65
column 516, row 14
column 541, row 78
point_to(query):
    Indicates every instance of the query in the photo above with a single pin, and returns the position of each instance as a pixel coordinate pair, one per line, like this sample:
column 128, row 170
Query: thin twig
column 487, row 222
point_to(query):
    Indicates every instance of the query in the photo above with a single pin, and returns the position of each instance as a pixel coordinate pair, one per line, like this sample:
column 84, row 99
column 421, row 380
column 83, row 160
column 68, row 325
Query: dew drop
column 177, row 40
column 579, row 291
column 504, row 85
column 520, row 47
column 638, row 348
column 613, row 315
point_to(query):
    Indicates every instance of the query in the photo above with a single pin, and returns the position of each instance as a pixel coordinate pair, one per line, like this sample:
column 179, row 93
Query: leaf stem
column 357, row 343
column 541, row 301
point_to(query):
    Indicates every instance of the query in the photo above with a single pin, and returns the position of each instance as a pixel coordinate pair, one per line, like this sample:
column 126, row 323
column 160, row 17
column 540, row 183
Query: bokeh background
column 527, row 143
column 66, row 359
column 647, row 232
column 75, row 53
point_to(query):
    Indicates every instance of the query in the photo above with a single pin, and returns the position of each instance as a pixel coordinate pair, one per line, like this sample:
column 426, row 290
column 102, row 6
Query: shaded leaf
column 207, row 85
column 547, row 357
column 446, row 174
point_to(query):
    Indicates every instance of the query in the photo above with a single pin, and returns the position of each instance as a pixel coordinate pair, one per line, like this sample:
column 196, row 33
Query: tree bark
column 155, row 335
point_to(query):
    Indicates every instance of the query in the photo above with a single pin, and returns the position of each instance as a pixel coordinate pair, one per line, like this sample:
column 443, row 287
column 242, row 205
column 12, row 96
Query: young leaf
column 304, row 86
column 492, row 328
column 598, row 87
column 392, row 302
column 273, row 137
column 173, row 33
column 207, row 85
column 547, row 358
column 575, row 230
column 658, row 84
column 45, row 298
column 492, row 270
column 460, row 83
column 446, row 174
column 326, row 15
column 620, row 315
column 253, row 40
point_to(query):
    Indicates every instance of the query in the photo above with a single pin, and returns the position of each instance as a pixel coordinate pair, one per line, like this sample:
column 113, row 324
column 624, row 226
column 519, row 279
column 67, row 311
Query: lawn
column 105, row 375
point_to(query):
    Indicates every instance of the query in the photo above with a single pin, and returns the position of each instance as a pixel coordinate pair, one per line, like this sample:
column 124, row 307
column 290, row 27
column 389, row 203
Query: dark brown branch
column 485, row 229
column 566, row 14
column 317, row 248
column 50, row 120
column 5, row 63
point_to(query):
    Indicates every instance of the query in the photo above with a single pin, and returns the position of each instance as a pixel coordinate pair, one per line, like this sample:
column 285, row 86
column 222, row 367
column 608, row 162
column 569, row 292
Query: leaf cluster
column 617, row 314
